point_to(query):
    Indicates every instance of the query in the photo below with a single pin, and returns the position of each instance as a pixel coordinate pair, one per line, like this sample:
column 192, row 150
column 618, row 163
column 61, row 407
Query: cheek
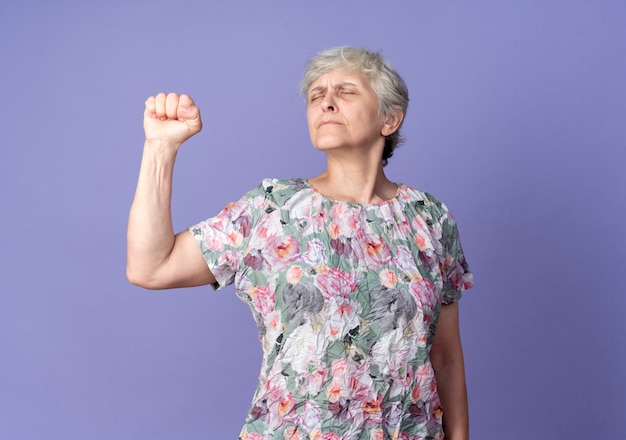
column 312, row 134
column 309, row 118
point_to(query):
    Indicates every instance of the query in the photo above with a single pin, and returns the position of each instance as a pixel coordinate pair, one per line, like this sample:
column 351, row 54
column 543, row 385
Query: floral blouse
column 346, row 297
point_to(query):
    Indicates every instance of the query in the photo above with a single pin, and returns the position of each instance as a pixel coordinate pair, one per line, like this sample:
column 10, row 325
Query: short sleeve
column 455, row 270
column 223, row 239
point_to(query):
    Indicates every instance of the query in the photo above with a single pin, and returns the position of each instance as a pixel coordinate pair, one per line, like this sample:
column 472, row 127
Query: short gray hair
column 392, row 92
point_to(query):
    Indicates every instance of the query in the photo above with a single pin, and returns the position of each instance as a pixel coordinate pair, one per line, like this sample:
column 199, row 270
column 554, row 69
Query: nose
column 328, row 103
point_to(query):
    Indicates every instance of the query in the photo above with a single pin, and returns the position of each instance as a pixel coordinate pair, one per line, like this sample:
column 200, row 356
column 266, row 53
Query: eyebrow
column 336, row 86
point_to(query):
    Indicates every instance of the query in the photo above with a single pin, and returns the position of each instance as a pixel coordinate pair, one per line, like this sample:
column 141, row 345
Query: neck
column 362, row 181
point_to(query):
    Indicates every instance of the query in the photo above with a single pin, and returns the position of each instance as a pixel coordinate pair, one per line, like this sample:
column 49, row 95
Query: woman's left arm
column 446, row 356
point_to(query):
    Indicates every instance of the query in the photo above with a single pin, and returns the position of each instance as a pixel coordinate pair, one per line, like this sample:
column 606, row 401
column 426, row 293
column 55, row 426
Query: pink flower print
column 339, row 410
column 341, row 371
column 281, row 251
column 254, row 259
column 376, row 434
column 429, row 260
column 417, row 412
column 342, row 247
column 311, row 417
column 468, row 279
column 318, row 220
column 291, row 433
column 333, row 391
column 243, row 224
column 405, row 264
column 301, row 212
column 421, row 240
column 230, row 207
column 372, row 406
column 333, row 230
column 340, row 317
column 419, row 223
column 375, row 251
column 281, row 409
column 258, row 411
column 343, row 221
column 425, row 293
column 273, row 328
column 212, row 243
column 285, row 247
column 227, row 259
column 342, row 212
column 269, row 228
column 425, row 386
column 235, row 238
column 316, row 434
column 273, row 384
column 393, row 419
column 350, row 380
column 301, row 351
column 315, row 377
column 392, row 352
column 286, row 404
column 388, row 278
column 315, row 253
column 245, row 435
column 341, row 367
column 403, row 225
column 263, row 299
column 294, row 273
column 336, row 282
column 347, row 410
column 436, row 233
column 338, row 210
column 230, row 257
column 457, row 274
column 330, row 436
column 402, row 376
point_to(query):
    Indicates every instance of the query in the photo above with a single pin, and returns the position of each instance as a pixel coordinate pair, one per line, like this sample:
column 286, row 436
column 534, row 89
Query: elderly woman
column 352, row 279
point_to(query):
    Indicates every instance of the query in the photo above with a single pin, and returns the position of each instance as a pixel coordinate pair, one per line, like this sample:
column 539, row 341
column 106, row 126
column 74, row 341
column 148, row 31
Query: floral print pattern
column 346, row 297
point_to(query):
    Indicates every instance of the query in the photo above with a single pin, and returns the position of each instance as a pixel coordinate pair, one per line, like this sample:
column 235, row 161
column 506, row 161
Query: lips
column 328, row 122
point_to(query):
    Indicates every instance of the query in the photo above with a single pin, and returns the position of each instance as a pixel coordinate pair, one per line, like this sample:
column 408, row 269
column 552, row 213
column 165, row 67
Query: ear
column 392, row 123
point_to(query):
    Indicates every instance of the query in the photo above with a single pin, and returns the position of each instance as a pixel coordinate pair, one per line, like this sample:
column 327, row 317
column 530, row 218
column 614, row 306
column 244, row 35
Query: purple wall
column 517, row 121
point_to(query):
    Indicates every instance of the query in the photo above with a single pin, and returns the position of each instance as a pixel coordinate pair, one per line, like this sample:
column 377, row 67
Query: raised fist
column 171, row 118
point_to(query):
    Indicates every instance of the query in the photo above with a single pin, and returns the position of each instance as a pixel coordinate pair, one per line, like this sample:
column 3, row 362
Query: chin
column 326, row 144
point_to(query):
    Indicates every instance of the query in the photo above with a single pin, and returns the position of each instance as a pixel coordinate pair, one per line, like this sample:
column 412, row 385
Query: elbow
column 134, row 278
column 137, row 278
column 448, row 355
column 447, row 359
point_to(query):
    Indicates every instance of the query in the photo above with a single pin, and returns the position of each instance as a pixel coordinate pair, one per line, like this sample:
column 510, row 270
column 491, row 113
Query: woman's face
column 342, row 112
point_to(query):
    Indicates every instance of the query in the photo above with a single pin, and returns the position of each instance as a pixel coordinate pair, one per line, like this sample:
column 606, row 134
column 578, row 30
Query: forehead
column 340, row 77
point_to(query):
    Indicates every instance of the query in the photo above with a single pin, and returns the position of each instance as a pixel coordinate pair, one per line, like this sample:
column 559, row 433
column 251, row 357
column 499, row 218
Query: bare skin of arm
column 156, row 257
column 446, row 356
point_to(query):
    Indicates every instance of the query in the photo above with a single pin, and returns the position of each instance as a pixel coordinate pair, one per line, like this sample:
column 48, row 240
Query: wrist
column 160, row 150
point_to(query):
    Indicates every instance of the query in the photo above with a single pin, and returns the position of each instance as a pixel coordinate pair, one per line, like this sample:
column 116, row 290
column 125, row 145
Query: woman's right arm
column 156, row 258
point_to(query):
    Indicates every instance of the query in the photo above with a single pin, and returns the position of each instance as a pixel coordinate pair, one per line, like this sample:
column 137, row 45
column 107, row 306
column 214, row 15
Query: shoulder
column 426, row 205
column 270, row 188
column 281, row 190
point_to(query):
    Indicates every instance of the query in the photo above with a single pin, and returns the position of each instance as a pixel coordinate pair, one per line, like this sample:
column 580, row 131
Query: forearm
column 150, row 233
column 453, row 395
